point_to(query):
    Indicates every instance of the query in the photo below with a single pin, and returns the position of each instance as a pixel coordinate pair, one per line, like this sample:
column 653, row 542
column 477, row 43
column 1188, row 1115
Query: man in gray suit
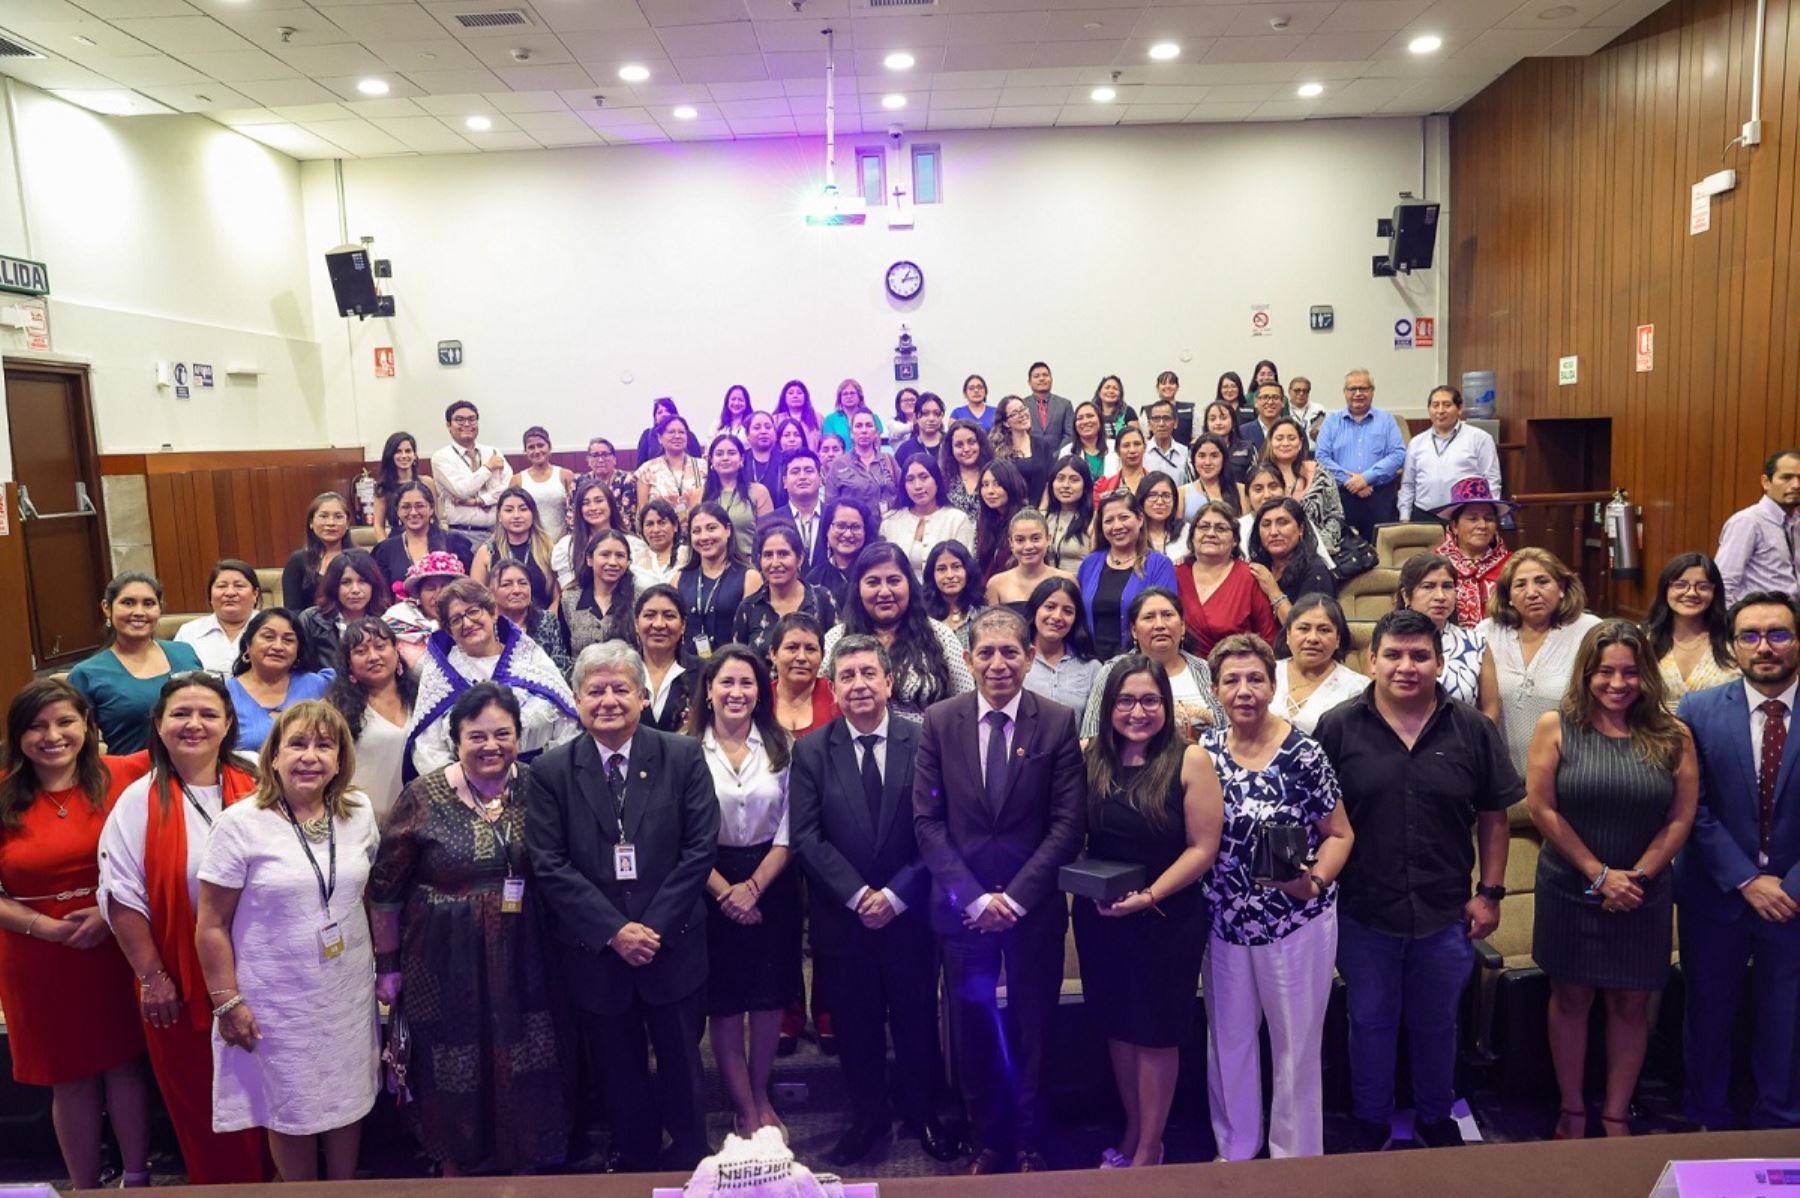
column 1052, row 416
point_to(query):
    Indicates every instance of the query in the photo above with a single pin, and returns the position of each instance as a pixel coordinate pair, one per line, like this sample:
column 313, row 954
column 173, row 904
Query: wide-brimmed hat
column 440, row 564
column 1471, row 490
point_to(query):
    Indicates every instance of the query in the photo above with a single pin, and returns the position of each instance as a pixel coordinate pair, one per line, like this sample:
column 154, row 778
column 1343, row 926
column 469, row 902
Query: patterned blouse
column 1298, row 786
column 1706, row 674
column 1462, row 662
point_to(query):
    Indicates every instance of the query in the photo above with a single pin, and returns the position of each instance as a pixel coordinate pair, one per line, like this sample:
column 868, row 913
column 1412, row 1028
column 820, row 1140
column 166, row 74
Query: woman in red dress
column 150, row 855
column 65, row 988
column 1220, row 594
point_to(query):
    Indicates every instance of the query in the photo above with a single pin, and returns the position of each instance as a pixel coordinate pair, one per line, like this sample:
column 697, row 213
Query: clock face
column 905, row 280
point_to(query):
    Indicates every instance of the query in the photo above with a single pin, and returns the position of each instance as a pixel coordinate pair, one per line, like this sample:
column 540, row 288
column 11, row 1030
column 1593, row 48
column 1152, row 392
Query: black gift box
column 1102, row 881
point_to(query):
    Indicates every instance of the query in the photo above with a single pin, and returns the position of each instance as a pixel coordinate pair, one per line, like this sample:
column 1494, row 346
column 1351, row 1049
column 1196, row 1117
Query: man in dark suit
column 999, row 806
column 1271, row 402
column 850, row 803
column 623, row 826
column 1737, row 880
column 802, row 506
column 1052, row 416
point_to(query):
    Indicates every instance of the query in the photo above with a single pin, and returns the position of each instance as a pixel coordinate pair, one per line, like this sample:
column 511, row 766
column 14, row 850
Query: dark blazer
column 1060, row 428
column 841, row 849
column 1040, row 826
column 672, row 817
column 1720, row 854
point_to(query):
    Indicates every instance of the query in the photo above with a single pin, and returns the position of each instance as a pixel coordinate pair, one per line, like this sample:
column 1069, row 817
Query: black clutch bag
column 1102, row 881
column 1278, row 852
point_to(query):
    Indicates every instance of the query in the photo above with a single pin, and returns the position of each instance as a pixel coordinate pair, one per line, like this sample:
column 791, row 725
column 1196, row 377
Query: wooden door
column 58, row 473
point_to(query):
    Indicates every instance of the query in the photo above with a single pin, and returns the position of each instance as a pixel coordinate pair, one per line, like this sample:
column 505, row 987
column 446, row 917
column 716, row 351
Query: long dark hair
column 947, row 461
column 725, row 418
column 1147, row 793
column 359, row 562
column 1660, row 627
column 777, row 742
column 713, row 488
column 1234, row 438
column 808, row 419
column 117, row 586
column 1305, row 552
column 621, row 615
column 387, row 476
column 580, row 532
column 916, row 648
column 346, row 694
column 1219, row 392
column 1174, row 529
column 435, row 540
column 19, row 786
column 1417, row 569
column 1101, row 441
column 315, row 548
column 937, row 604
column 1655, row 733
column 161, row 764
column 712, row 508
column 1267, row 456
column 302, row 648
column 1080, row 528
column 903, row 502
column 991, row 526
column 500, row 548
column 1228, row 478
column 1079, row 642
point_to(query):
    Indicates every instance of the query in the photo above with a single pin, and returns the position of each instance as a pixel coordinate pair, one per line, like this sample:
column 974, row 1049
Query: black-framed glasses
column 1776, row 638
column 1150, row 703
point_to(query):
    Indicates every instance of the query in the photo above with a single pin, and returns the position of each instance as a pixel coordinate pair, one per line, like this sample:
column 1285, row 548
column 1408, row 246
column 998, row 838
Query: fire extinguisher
column 365, row 496
column 1624, row 533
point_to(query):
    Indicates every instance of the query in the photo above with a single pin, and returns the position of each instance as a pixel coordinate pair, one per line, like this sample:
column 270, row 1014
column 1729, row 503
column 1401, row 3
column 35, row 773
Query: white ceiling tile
column 1324, row 72
column 607, row 118
column 705, row 41
column 1366, row 16
column 528, row 101
column 1090, row 114
column 422, row 133
column 225, row 9
column 24, row 16
column 1268, row 48
column 967, row 79
column 341, row 58
column 871, row 103
column 1582, row 42
column 1245, row 72
column 770, row 106
column 358, row 137
column 239, row 66
column 960, row 118
column 1090, row 25
column 695, row 130
column 927, row 62
column 762, row 125
column 807, row 106
column 305, row 27
column 664, row 115
column 636, row 135
column 1161, row 94
column 1209, row 113
column 58, row 37
column 760, row 89
column 545, row 78
column 1627, row 13
column 386, row 22
column 1339, row 47
column 1044, row 77
column 1253, row 20
column 108, row 10
column 347, row 86
column 1075, row 54
column 458, row 122
column 211, row 98
column 1155, row 114
column 1461, row 15
column 509, row 139
column 1023, row 97
column 1284, row 110
column 179, row 35
column 234, row 117
column 1552, row 14
column 991, row 28
column 1002, row 57
column 1238, row 93
column 692, row 12
column 541, row 49
column 900, row 32
column 308, row 113
column 1020, row 118
column 795, row 35
column 387, row 106
column 462, row 79
column 971, row 98
column 570, row 139
column 146, row 70
column 272, row 93
column 574, row 16
column 1514, row 43
column 812, row 85
column 728, row 68
column 430, row 54
column 614, row 45
column 1177, row 23
column 778, row 10
column 292, row 140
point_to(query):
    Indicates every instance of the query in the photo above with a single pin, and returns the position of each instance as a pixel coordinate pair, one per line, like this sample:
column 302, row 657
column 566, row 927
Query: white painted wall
column 168, row 238
column 584, row 282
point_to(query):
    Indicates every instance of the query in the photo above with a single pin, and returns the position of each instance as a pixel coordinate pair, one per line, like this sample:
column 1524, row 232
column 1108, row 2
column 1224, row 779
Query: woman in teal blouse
column 122, row 680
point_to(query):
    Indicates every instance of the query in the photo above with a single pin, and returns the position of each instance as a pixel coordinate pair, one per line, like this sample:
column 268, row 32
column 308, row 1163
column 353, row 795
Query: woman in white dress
column 923, row 514
column 474, row 644
column 234, row 595
column 1313, row 677
column 1533, row 632
column 1428, row 585
column 284, row 941
column 374, row 692
column 546, row 482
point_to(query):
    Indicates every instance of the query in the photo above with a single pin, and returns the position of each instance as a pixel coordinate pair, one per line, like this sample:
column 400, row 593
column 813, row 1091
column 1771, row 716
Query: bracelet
column 34, row 918
column 226, row 990
column 1599, row 881
column 228, row 1005
column 755, row 890
column 145, row 979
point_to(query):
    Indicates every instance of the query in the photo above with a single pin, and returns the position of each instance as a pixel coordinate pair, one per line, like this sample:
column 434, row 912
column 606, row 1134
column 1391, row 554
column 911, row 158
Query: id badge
column 703, row 646
column 625, row 862
column 331, row 941
column 512, row 896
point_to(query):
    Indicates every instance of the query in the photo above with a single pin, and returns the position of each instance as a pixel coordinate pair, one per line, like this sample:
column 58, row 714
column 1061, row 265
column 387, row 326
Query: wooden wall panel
column 1569, row 194
column 15, row 608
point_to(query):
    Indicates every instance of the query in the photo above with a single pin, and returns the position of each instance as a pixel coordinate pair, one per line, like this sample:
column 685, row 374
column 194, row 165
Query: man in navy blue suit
column 1737, row 882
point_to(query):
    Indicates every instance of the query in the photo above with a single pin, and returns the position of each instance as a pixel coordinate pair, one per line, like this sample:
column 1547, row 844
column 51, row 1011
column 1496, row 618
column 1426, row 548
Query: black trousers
column 621, row 1046
column 1000, row 1056
column 1381, row 507
column 880, row 981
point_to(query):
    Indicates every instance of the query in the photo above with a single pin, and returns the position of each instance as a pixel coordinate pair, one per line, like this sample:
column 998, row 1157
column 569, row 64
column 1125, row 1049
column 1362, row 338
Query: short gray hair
column 859, row 642
column 609, row 655
column 1004, row 619
column 1362, row 370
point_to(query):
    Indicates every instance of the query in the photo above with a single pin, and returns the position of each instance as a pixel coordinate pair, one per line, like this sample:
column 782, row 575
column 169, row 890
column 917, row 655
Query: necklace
column 316, row 828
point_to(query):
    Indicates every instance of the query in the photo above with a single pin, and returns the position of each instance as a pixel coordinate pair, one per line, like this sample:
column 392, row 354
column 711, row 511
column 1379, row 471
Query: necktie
column 995, row 779
column 473, row 458
column 1774, row 743
column 1043, row 412
column 871, row 777
column 615, row 781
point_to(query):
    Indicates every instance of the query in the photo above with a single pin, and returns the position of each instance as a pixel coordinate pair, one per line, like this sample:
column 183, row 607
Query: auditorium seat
column 1369, row 596
column 1509, row 1022
column 1360, row 633
column 171, row 623
column 269, row 579
column 364, row 537
column 1394, row 543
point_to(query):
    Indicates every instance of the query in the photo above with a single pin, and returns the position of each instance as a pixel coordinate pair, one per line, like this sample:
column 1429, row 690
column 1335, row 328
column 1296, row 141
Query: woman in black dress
column 1613, row 783
column 1152, row 800
column 716, row 583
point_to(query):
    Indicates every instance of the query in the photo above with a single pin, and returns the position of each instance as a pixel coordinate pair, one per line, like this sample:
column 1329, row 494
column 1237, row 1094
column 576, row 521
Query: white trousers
column 1288, row 984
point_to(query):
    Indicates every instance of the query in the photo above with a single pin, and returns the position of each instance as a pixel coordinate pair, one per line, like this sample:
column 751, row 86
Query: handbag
column 396, row 1056
column 1353, row 557
column 1278, row 852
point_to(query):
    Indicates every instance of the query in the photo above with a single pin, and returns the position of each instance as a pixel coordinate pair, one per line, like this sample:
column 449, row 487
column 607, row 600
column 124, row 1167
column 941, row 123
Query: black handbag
column 1278, row 852
column 396, row 1056
column 1353, row 557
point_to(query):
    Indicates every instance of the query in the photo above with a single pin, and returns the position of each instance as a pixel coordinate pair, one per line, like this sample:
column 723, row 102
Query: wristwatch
column 1321, row 883
column 1496, row 893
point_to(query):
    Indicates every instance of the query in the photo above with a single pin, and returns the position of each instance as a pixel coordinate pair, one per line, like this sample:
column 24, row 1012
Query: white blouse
column 380, row 754
column 216, row 651
column 122, row 843
column 753, row 799
column 917, row 537
column 563, row 565
column 1341, row 684
column 647, row 572
column 1528, row 691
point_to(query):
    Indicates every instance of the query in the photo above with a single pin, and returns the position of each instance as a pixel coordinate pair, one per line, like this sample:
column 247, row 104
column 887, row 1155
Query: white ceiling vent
column 500, row 18
column 11, row 48
column 902, row 3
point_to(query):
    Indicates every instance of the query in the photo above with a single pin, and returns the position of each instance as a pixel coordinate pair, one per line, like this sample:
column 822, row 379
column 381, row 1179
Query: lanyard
column 1448, row 441
column 465, row 792
column 325, row 890
column 703, row 602
column 195, row 803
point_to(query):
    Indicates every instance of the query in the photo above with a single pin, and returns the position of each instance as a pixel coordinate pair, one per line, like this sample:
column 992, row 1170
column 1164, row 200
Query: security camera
column 521, row 55
column 894, row 132
column 599, row 101
column 1278, row 24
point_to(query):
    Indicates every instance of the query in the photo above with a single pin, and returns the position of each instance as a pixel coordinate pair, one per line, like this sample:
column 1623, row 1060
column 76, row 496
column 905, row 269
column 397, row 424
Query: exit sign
column 23, row 276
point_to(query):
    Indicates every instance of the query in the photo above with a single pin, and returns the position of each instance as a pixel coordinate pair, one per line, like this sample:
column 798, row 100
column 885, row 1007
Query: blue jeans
column 1390, row 979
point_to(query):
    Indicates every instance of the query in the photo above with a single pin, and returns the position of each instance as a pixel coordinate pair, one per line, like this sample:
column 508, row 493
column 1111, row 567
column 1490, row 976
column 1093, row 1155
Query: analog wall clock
column 905, row 280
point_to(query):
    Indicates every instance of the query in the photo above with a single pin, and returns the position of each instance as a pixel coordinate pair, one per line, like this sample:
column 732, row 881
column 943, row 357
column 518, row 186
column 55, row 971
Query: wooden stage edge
column 1621, row 1168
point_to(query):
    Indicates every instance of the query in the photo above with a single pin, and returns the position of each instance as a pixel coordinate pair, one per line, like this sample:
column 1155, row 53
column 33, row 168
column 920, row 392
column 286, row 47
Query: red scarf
column 166, row 884
column 1475, row 578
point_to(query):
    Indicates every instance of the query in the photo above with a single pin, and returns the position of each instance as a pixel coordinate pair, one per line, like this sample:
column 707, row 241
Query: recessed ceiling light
column 85, row 40
column 1103, row 95
column 899, row 60
column 479, row 123
column 1558, row 12
column 1429, row 43
column 893, row 100
column 373, row 87
column 1309, row 90
column 686, row 112
column 1163, row 51
column 634, row 73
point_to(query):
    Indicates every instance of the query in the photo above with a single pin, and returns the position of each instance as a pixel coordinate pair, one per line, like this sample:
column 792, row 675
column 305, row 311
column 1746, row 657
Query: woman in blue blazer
column 1121, row 565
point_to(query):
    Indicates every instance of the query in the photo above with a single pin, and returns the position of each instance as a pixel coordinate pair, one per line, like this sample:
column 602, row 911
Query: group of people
column 578, row 785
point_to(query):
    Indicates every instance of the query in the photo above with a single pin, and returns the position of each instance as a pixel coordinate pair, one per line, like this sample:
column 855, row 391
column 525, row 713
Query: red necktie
column 1043, row 412
column 1774, row 743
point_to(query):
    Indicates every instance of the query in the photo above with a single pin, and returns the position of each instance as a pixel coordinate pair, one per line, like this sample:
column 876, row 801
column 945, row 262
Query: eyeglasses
column 600, row 455
column 464, row 616
column 1370, row 390
column 1775, row 638
column 840, row 526
column 1691, row 588
column 465, row 420
column 1150, row 703
column 1162, row 418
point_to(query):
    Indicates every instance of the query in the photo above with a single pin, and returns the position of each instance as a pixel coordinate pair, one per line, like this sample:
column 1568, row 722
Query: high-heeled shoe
column 1559, row 1134
column 1112, row 1158
column 1624, row 1123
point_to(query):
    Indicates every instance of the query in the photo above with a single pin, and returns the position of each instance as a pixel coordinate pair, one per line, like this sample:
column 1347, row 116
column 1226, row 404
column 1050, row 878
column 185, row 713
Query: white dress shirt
column 1758, row 721
column 880, row 750
column 753, row 799
column 122, row 843
column 984, row 734
column 1172, row 461
column 948, row 523
column 809, row 527
column 216, row 650
column 1435, row 464
column 468, row 495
